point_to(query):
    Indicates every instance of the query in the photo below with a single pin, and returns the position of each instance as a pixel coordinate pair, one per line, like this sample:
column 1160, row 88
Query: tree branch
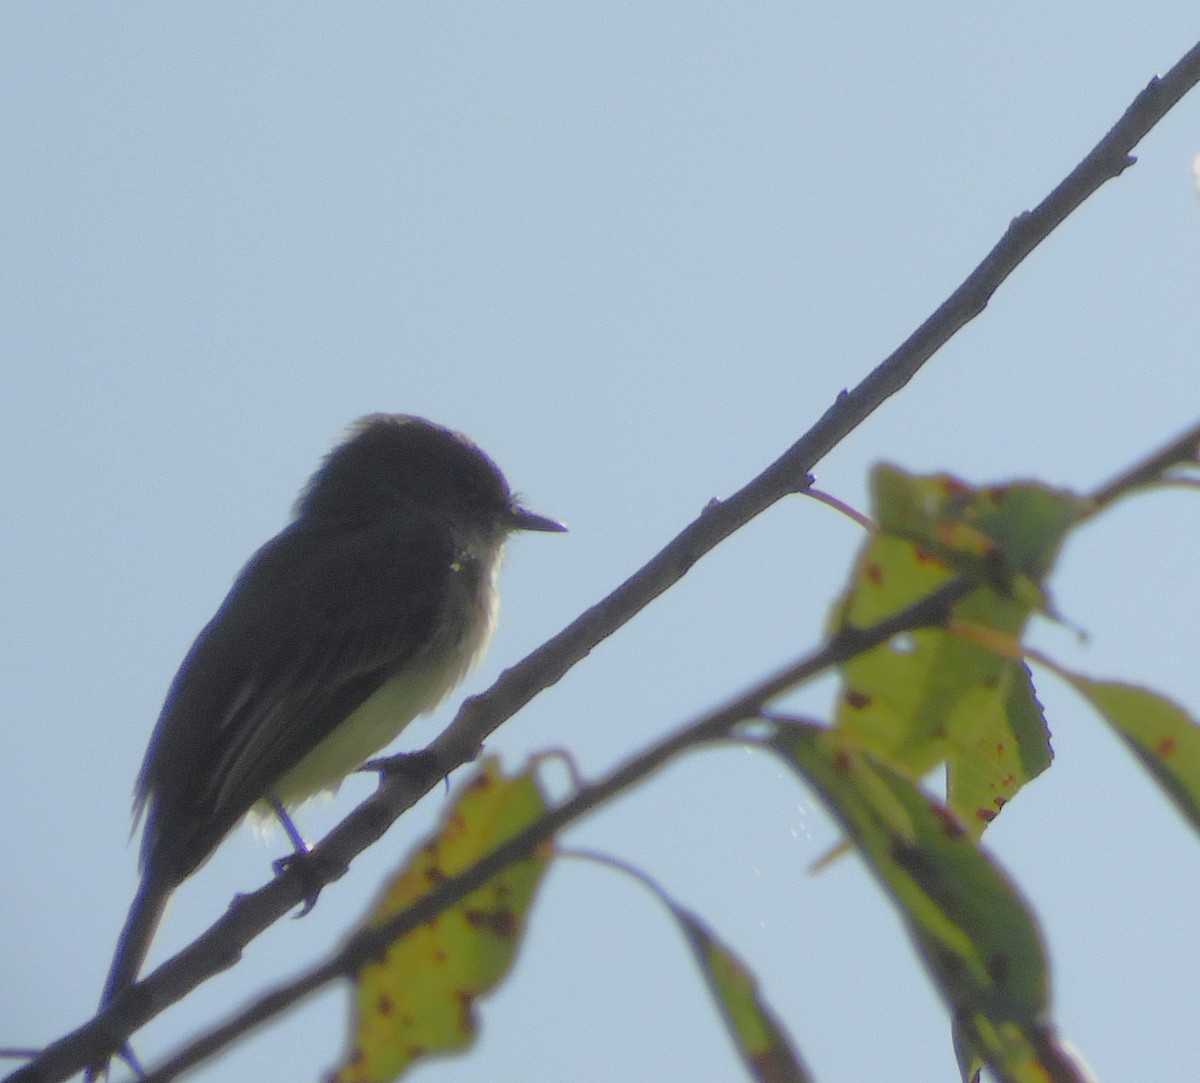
column 1185, row 448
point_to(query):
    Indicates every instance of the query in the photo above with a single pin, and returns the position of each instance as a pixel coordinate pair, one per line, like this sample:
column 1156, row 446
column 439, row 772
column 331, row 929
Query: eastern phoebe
column 364, row 612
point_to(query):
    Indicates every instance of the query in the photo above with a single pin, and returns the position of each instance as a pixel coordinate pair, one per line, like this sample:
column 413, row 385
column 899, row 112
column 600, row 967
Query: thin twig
column 1183, row 449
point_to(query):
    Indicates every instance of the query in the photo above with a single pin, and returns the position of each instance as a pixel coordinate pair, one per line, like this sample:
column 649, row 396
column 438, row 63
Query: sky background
column 635, row 250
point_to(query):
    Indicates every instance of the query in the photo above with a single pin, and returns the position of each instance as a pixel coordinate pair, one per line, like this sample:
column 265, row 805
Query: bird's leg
column 285, row 821
column 298, row 862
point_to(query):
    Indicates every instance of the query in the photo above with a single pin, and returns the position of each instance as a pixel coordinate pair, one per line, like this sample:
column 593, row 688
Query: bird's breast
column 458, row 640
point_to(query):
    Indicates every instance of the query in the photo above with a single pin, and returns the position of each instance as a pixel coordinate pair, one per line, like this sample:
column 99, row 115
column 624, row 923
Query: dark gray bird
column 364, row 612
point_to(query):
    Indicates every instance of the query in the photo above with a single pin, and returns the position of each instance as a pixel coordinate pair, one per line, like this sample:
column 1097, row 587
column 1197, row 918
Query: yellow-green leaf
column 979, row 942
column 760, row 1039
column 932, row 697
column 758, row 1036
column 993, row 533
column 998, row 751
column 419, row 998
column 1163, row 736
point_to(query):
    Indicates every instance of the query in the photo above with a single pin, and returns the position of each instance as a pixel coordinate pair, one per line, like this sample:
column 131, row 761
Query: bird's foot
column 421, row 768
column 313, row 870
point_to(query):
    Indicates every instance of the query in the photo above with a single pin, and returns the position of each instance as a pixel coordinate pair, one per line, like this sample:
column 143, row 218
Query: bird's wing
column 316, row 622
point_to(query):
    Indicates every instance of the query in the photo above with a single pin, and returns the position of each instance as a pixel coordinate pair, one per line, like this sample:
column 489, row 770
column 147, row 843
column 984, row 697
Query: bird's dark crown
column 391, row 461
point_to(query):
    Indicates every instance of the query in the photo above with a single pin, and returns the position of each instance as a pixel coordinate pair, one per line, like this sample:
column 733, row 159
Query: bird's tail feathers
column 140, row 926
column 145, row 913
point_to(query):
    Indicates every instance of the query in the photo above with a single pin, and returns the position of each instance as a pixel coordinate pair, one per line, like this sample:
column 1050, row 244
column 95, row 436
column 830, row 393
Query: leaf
column 758, row 1036
column 419, row 998
column 1008, row 745
column 970, row 1065
column 994, row 533
column 979, row 942
column 930, row 696
column 1163, row 736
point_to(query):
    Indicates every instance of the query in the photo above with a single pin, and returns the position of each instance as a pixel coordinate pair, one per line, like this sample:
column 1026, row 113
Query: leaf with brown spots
column 997, row 534
column 419, row 998
column 1001, row 751
column 979, row 942
column 932, row 697
column 760, row 1039
column 1163, row 736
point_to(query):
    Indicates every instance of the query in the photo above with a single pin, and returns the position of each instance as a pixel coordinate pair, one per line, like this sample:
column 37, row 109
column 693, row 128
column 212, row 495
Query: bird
column 364, row 612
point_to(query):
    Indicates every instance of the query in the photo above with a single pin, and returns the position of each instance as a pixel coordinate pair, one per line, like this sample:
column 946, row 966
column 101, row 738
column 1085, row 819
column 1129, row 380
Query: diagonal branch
column 248, row 916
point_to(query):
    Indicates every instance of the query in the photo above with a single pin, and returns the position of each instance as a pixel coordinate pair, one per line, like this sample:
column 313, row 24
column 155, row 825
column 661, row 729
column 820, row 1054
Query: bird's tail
column 140, row 927
column 136, row 937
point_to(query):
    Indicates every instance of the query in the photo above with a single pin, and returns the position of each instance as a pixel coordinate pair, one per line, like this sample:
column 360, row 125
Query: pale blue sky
column 634, row 249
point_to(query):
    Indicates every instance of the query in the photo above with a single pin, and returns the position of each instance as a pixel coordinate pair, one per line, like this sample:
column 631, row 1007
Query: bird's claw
column 313, row 871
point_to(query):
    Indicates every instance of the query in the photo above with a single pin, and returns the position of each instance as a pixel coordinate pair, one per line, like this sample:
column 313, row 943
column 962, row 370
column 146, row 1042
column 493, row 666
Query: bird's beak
column 523, row 519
